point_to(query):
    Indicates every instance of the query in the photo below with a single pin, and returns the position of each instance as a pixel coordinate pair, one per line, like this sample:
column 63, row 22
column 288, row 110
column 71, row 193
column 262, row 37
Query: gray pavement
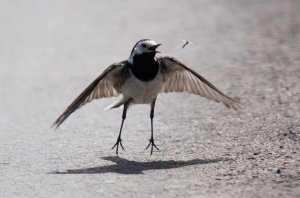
column 51, row 50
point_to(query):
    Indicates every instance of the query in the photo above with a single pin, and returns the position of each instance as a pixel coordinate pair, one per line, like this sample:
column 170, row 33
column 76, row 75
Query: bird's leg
column 119, row 140
column 151, row 141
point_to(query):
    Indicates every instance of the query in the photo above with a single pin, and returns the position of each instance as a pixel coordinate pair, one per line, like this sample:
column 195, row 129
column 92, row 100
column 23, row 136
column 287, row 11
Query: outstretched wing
column 108, row 84
column 179, row 78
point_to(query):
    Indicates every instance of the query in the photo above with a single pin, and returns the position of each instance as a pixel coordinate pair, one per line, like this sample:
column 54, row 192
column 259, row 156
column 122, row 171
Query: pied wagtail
column 140, row 79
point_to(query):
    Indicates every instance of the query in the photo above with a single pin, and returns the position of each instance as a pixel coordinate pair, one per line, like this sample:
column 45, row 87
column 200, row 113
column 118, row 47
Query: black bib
column 144, row 66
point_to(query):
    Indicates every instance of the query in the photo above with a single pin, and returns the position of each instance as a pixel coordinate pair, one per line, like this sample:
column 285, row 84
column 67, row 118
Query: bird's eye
column 143, row 45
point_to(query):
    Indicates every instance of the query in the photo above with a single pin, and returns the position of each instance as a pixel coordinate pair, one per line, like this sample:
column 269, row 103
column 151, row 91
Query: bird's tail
column 116, row 104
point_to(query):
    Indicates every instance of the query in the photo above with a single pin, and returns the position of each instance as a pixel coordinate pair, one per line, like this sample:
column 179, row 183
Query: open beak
column 153, row 48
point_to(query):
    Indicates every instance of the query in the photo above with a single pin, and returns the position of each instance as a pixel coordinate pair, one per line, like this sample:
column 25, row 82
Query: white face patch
column 141, row 47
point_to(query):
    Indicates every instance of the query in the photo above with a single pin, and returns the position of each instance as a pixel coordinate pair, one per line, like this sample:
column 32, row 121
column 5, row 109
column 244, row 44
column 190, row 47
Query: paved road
column 51, row 50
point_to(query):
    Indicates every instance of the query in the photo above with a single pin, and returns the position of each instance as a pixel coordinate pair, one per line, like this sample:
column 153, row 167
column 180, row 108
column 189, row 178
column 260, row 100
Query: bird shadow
column 124, row 166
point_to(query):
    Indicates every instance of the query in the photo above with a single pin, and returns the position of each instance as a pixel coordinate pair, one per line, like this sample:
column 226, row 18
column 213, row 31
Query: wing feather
column 106, row 85
column 179, row 78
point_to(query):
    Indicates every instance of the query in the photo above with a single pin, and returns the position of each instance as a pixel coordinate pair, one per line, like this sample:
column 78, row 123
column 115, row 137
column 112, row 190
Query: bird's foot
column 152, row 144
column 119, row 142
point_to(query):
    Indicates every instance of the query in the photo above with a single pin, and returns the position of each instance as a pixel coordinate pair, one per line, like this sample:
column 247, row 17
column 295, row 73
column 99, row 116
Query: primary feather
column 108, row 84
column 179, row 78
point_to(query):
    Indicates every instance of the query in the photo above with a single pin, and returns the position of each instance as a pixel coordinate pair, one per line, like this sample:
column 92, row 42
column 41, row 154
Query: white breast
column 140, row 91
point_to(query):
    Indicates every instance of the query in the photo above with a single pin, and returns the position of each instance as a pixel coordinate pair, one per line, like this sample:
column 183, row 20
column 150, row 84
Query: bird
column 139, row 79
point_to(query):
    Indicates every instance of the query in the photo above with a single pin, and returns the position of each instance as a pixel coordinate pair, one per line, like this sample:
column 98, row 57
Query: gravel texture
column 51, row 50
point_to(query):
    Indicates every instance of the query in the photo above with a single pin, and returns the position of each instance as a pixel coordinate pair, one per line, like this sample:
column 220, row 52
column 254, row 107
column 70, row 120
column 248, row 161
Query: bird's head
column 145, row 46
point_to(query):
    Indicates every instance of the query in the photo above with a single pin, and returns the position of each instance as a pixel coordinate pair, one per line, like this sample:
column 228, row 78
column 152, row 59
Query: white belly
column 140, row 91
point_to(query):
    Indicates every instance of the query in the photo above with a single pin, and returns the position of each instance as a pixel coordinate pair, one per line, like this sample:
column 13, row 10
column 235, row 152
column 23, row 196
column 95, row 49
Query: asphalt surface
column 51, row 50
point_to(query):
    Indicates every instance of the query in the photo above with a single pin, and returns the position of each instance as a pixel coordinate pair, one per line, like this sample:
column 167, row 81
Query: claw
column 119, row 142
column 151, row 142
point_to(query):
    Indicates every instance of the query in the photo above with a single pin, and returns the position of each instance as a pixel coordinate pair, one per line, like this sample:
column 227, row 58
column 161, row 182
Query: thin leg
column 119, row 140
column 151, row 141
